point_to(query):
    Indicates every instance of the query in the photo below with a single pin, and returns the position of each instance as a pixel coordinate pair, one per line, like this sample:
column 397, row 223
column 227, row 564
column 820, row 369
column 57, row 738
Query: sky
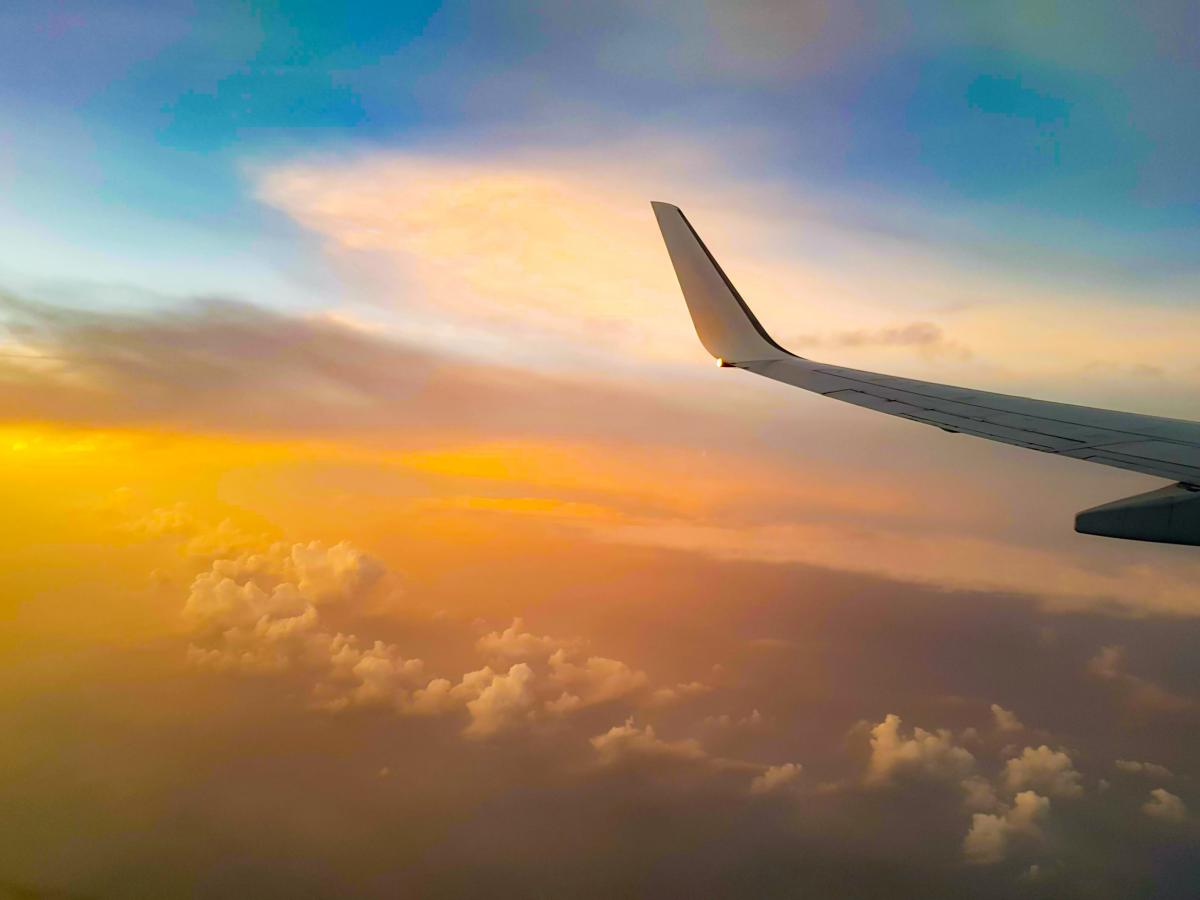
column 377, row 526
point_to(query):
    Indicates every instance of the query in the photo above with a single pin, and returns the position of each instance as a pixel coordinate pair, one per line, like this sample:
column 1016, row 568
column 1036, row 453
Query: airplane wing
column 1167, row 448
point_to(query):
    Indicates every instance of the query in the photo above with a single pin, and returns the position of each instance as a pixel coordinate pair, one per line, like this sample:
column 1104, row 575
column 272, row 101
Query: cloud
column 491, row 728
column 623, row 743
column 516, row 643
column 1134, row 767
column 923, row 753
column 633, row 748
column 954, row 557
column 1006, row 720
column 266, row 612
column 1165, row 806
column 597, row 680
column 594, row 680
column 226, row 365
column 991, row 836
column 1050, row 771
column 176, row 519
column 283, row 579
column 512, row 244
column 440, row 696
column 665, row 696
column 373, row 676
column 775, row 779
column 556, row 246
column 599, row 454
column 332, row 574
column 1110, row 665
column 261, row 612
column 554, row 249
column 507, row 699
column 723, row 721
column 214, row 362
column 197, row 538
column 979, row 794
column 496, row 701
column 925, row 337
column 250, row 613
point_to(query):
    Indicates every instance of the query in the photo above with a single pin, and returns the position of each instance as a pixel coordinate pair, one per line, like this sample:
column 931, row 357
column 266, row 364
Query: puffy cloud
column 375, row 676
column 626, row 742
column 333, row 574
column 433, row 699
column 1006, row 719
column 925, row 753
column 1050, row 771
column 597, row 680
column 199, row 539
column 250, row 627
column 991, row 835
column 496, row 701
column 665, row 696
column 1165, row 806
column 629, row 745
column 987, row 839
column 775, row 778
column 573, row 685
column 1143, row 768
column 261, row 612
column 282, row 580
column 441, row 695
column 516, row 643
column 506, row 699
column 979, row 795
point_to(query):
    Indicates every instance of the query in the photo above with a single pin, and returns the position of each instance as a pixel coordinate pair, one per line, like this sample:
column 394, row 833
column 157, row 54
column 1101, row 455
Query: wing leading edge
column 1166, row 448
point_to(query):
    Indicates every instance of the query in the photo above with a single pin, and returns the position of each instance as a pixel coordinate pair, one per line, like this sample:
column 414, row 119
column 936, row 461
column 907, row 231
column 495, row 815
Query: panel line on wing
column 1119, row 435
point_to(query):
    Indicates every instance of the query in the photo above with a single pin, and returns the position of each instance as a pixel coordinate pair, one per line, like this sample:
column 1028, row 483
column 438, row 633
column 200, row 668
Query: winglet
column 724, row 323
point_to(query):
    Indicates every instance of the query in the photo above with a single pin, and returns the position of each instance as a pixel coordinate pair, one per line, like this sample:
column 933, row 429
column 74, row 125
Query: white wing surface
column 1166, row 448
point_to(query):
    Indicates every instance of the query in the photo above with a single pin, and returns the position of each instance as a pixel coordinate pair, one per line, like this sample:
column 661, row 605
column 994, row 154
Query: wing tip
column 725, row 324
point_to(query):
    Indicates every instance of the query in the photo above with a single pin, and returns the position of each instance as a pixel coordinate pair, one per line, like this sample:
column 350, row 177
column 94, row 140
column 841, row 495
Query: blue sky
column 998, row 118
